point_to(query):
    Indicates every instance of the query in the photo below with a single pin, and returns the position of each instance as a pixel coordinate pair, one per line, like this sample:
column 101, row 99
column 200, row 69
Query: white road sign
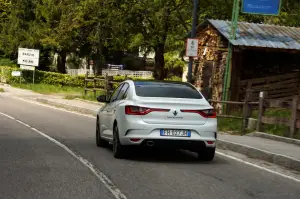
column 191, row 48
column 16, row 73
column 28, row 57
column 27, row 67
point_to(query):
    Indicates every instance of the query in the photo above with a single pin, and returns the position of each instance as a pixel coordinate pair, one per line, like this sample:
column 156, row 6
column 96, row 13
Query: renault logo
column 175, row 113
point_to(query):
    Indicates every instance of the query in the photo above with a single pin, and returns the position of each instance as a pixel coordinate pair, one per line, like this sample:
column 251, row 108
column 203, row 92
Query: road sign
column 16, row 73
column 191, row 48
column 261, row 7
column 27, row 67
column 29, row 57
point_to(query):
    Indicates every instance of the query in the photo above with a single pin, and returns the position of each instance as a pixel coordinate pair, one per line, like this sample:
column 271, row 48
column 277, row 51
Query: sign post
column 193, row 35
column 28, row 59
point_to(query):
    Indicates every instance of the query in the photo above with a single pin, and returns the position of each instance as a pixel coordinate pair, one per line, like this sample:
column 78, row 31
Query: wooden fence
column 264, row 103
column 246, row 109
column 104, row 84
column 293, row 105
column 278, row 87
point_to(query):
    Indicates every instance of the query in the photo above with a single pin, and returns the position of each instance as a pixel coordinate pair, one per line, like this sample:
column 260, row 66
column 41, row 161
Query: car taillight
column 209, row 113
column 137, row 110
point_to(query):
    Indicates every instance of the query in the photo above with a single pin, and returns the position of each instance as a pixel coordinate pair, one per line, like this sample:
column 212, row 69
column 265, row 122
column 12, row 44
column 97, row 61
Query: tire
column 119, row 151
column 207, row 154
column 99, row 141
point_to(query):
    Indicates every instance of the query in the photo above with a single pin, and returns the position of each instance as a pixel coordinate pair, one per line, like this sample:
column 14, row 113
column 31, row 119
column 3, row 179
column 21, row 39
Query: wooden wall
column 208, row 70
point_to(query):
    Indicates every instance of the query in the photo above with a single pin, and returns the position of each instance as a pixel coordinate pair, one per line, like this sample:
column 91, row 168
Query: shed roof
column 260, row 35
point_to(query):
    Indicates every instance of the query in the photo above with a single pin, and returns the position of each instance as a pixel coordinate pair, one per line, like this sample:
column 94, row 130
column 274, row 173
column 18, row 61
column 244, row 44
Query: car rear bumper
column 192, row 145
column 133, row 131
column 173, row 142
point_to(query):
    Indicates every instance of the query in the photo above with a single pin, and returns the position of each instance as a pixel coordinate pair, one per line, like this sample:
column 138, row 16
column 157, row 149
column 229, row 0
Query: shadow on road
column 167, row 156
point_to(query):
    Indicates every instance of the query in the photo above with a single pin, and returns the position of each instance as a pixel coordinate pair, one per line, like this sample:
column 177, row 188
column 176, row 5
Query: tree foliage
column 94, row 29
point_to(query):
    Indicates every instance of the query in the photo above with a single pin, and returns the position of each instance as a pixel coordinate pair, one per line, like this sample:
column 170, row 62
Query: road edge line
column 53, row 107
column 279, row 159
column 257, row 166
column 100, row 175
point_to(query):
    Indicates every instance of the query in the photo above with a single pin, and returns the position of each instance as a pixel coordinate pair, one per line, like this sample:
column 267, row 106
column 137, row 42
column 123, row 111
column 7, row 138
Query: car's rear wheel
column 118, row 150
column 207, row 154
column 99, row 141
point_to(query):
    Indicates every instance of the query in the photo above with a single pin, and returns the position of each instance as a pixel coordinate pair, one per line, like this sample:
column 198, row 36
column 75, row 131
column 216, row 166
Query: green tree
column 155, row 25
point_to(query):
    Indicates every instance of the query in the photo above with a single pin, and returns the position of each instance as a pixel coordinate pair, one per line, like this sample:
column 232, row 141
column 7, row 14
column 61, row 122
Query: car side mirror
column 102, row 98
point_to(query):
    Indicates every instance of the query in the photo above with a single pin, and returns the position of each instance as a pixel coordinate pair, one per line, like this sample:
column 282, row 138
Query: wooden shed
column 265, row 57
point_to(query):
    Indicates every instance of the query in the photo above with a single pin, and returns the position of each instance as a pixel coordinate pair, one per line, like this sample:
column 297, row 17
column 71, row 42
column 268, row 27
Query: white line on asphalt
column 52, row 107
column 219, row 153
column 257, row 166
column 101, row 176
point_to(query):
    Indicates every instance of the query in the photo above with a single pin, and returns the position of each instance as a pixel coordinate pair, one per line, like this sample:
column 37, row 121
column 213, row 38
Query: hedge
column 41, row 77
column 52, row 78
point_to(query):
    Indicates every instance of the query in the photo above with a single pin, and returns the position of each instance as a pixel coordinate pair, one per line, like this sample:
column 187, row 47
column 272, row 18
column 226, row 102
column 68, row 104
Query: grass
column 66, row 91
column 1, row 90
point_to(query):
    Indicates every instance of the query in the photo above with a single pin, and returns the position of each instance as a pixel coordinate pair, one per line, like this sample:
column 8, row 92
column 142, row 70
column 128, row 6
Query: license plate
column 175, row 133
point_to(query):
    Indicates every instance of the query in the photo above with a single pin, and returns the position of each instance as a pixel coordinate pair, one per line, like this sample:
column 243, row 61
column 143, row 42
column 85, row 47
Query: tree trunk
column 159, row 72
column 61, row 61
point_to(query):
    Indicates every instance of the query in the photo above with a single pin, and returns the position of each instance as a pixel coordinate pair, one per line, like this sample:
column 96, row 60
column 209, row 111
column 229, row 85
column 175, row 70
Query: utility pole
column 193, row 35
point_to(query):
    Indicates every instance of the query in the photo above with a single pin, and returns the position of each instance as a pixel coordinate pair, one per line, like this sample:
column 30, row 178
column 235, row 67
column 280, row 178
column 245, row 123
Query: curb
column 255, row 153
column 91, row 102
column 67, row 107
column 275, row 137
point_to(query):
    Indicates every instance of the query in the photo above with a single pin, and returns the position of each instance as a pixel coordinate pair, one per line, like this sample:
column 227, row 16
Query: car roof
column 158, row 82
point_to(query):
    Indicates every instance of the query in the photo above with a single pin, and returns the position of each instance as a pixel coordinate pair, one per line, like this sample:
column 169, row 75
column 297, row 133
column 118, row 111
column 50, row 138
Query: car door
column 120, row 99
column 109, row 111
column 105, row 115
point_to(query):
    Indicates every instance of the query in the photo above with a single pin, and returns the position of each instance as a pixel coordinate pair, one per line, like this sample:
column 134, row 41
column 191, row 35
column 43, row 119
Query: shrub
column 51, row 78
column 42, row 77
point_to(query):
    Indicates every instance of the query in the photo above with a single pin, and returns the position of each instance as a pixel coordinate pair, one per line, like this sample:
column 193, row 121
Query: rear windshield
column 168, row 90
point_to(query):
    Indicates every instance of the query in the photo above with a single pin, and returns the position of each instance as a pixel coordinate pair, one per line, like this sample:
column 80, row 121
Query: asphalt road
column 33, row 167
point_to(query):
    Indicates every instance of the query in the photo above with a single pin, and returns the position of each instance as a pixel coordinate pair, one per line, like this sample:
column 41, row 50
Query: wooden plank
column 277, row 103
column 286, row 90
column 99, row 89
column 280, row 95
column 89, row 80
column 230, row 116
column 272, row 78
column 279, row 85
column 226, row 102
column 116, row 82
column 99, row 79
column 261, row 111
column 276, row 78
column 89, row 89
column 275, row 120
column 294, row 116
column 298, row 124
column 246, row 111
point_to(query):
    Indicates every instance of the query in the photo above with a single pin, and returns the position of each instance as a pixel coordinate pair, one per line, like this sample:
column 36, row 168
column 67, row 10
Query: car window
column 166, row 89
column 123, row 92
column 115, row 93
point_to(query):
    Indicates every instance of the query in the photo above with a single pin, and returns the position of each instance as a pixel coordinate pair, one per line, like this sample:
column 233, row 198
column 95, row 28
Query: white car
column 157, row 114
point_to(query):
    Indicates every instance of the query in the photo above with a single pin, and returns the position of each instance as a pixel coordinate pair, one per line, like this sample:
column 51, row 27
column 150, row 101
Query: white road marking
column 219, row 153
column 101, row 176
column 52, row 107
column 257, row 166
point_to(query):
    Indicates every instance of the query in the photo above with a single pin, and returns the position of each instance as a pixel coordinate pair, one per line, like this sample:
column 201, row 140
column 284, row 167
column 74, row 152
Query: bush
column 52, row 78
column 41, row 77
column 7, row 62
